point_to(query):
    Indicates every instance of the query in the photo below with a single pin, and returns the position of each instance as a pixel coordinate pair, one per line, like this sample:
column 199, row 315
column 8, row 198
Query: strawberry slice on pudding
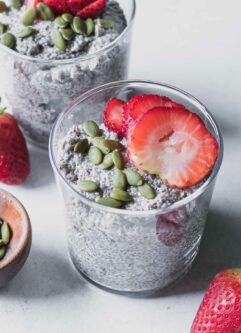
column 174, row 144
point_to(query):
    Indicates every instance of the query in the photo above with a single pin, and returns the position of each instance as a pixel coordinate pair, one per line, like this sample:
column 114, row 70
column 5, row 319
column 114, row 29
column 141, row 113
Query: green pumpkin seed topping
column 17, row 4
column 121, row 195
column 68, row 17
column 58, row 40
column 27, row 32
column 3, row 7
column 118, row 159
column 45, row 12
column 91, row 128
column 95, row 155
column 110, row 202
column 2, row 251
column 81, row 146
column 90, row 26
column 79, row 26
column 87, row 186
column 67, row 33
column 8, row 40
column 133, row 177
column 29, row 17
column 59, row 22
column 3, row 28
column 119, row 180
column 107, row 146
column 147, row 191
column 5, row 237
column 106, row 24
column 107, row 162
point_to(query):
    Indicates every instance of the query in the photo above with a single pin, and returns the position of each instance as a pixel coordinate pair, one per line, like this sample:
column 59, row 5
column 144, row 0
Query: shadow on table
column 44, row 276
column 220, row 249
column 41, row 170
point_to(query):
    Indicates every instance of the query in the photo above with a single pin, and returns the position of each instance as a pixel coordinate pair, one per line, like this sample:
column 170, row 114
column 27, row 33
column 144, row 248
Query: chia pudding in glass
column 48, row 56
column 136, row 163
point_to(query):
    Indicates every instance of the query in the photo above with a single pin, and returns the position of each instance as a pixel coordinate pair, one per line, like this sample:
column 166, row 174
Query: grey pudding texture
column 39, row 88
column 136, row 249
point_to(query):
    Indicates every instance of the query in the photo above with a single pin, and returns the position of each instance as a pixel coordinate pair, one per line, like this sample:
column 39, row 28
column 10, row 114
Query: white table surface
column 195, row 45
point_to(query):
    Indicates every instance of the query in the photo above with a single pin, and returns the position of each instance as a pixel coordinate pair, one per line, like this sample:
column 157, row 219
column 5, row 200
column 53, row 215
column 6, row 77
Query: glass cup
column 132, row 251
column 38, row 90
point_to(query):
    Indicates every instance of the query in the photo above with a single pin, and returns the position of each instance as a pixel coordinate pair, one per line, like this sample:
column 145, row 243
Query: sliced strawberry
column 145, row 103
column 174, row 144
column 126, row 114
column 113, row 115
column 93, row 10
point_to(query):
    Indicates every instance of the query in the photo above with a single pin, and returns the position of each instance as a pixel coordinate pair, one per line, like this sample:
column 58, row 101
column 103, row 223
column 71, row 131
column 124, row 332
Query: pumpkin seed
column 67, row 33
column 106, row 24
column 5, row 233
column 119, row 180
column 3, row 28
column 2, row 251
column 87, row 186
column 118, row 159
column 57, row 39
column 90, row 26
column 99, row 142
column 107, row 162
column 17, row 4
column 79, row 26
column 110, row 202
column 133, row 177
column 147, row 191
column 91, row 128
column 95, row 155
column 8, row 40
column 45, row 12
column 3, row 7
column 68, row 17
column 121, row 195
column 29, row 17
column 59, row 22
column 81, row 146
column 27, row 32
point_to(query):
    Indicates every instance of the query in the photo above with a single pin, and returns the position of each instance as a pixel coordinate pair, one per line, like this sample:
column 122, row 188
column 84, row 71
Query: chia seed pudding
column 41, row 80
column 148, row 242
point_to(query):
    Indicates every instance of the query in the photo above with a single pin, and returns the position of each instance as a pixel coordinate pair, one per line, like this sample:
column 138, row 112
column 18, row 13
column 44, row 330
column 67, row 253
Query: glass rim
column 159, row 211
column 81, row 57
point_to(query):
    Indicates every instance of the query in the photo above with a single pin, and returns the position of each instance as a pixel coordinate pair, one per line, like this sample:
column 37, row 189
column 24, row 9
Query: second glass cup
column 132, row 251
column 38, row 90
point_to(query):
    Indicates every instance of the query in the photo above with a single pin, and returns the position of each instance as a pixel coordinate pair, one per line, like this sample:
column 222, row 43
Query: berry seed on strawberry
column 14, row 157
column 174, row 144
column 220, row 311
column 113, row 115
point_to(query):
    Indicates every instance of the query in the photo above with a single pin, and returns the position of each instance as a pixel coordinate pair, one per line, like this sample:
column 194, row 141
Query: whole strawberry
column 14, row 157
column 220, row 311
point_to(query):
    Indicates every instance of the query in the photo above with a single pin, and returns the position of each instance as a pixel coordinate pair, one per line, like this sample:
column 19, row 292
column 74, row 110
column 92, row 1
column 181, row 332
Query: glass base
column 139, row 293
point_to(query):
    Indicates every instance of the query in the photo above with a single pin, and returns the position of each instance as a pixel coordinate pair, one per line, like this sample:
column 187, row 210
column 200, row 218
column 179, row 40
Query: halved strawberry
column 174, row 144
column 93, row 10
column 113, row 115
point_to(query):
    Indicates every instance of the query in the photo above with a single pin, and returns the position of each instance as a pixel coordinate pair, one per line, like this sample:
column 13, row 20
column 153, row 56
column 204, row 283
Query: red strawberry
column 93, row 10
column 113, row 115
column 14, row 157
column 142, row 103
column 174, row 144
column 170, row 227
column 82, row 8
column 220, row 311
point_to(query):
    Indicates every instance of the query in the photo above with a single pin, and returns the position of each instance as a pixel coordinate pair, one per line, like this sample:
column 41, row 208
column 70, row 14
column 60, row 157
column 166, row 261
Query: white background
column 195, row 45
